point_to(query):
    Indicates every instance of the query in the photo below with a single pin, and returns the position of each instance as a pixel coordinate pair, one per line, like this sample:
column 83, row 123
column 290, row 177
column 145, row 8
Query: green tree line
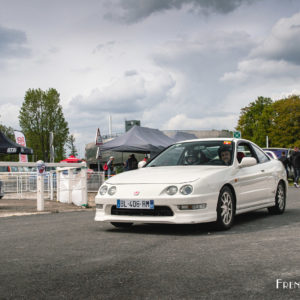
column 279, row 120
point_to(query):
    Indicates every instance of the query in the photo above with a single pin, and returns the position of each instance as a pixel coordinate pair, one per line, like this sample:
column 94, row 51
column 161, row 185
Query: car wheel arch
column 233, row 193
column 279, row 208
column 284, row 184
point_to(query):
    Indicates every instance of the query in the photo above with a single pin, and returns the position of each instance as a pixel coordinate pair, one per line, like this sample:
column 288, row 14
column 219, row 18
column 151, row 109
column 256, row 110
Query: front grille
column 158, row 211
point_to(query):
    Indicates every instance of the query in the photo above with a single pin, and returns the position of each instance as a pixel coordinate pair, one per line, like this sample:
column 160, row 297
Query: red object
column 240, row 156
column 72, row 159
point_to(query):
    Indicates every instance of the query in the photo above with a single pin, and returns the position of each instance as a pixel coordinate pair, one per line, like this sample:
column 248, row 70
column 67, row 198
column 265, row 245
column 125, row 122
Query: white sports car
column 195, row 181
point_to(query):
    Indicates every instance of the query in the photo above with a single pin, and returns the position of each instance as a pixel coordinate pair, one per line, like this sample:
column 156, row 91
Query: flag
column 20, row 139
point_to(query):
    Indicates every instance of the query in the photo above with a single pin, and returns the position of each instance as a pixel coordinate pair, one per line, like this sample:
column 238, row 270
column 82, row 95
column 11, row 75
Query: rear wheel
column 280, row 200
column 121, row 225
column 225, row 209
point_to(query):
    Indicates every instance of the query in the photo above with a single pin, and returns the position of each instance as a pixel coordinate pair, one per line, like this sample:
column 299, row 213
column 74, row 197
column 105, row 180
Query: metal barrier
column 23, row 185
column 94, row 181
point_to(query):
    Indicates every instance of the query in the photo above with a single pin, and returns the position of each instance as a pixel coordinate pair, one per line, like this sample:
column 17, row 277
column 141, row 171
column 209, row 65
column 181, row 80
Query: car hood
column 169, row 175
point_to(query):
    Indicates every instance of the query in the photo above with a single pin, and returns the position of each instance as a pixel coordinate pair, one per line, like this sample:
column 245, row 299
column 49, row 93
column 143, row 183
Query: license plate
column 135, row 204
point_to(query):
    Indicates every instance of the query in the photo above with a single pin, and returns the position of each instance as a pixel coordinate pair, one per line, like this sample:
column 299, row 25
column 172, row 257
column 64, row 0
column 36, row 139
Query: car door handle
column 262, row 170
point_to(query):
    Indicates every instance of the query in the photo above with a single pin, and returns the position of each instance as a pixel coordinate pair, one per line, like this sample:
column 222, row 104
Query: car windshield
column 196, row 153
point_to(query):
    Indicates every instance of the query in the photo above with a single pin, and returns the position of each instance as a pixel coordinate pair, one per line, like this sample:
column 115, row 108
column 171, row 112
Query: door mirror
column 247, row 162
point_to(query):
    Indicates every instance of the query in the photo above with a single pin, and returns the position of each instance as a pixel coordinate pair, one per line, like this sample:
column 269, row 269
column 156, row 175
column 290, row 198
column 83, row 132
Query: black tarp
column 139, row 140
column 182, row 136
column 7, row 146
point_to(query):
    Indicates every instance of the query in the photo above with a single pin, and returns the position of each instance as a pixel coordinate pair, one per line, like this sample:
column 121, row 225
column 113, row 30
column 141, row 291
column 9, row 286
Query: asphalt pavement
column 67, row 255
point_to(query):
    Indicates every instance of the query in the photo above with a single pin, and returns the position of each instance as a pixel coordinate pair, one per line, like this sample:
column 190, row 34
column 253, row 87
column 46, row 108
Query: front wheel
column 280, row 200
column 121, row 225
column 225, row 209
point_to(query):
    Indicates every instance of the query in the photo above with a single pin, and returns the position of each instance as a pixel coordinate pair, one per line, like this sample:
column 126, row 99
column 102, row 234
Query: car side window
column 262, row 157
column 244, row 150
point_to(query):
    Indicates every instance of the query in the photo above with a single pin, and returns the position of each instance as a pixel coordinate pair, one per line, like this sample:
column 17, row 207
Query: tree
column 279, row 120
column 71, row 145
column 41, row 114
column 285, row 129
column 255, row 120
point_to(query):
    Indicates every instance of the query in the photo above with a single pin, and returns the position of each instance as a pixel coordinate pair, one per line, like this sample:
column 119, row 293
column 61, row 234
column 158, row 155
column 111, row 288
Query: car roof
column 275, row 148
column 269, row 151
column 213, row 139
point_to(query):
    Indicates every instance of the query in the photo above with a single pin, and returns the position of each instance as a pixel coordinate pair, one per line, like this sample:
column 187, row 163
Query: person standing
column 126, row 167
column 295, row 160
column 110, row 166
column 285, row 162
column 132, row 162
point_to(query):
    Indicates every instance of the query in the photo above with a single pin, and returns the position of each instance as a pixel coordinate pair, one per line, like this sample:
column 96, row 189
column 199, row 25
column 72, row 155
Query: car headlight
column 103, row 190
column 171, row 190
column 112, row 190
column 186, row 189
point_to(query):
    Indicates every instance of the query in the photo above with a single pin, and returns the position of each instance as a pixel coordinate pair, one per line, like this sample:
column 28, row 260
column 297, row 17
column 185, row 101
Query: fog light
column 99, row 206
column 192, row 206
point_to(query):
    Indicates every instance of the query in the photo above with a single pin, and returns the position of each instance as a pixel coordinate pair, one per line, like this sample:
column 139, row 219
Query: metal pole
column 51, row 147
column 267, row 142
column 51, row 185
column 40, row 193
column 110, row 126
column 40, row 185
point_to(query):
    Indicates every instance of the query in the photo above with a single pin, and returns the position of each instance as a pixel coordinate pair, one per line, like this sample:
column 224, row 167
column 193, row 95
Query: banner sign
column 20, row 139
column 99, row 141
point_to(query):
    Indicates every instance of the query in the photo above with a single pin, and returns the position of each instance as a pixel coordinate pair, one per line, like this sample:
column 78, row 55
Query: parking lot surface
column 70, row 256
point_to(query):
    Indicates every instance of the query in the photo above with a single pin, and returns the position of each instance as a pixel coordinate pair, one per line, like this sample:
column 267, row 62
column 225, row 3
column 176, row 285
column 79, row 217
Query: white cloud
column 262, row 68
column 9, row 115
column 128, row 94
column 185, row 123
column 283, row 42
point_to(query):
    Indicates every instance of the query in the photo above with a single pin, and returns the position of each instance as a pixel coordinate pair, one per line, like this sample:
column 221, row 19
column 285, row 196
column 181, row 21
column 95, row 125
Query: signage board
column 237, row 134
column 99, row 141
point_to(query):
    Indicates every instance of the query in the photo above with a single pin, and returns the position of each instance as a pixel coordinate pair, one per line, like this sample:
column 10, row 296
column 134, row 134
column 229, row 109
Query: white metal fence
column 23, row 185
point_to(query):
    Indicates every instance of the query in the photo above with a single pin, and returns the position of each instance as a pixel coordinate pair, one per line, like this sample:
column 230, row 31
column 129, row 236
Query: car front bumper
column 166, row 210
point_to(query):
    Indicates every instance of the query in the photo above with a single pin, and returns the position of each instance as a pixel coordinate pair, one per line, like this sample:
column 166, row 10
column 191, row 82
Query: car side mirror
column 247, row 162
column 141, row 164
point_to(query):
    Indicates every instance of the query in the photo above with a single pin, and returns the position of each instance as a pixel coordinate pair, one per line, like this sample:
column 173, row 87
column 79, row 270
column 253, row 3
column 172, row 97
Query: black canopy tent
column 7, row 146
column 139, row 140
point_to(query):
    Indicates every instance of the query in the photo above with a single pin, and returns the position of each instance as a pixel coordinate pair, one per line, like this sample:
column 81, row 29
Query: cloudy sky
column 173, row 64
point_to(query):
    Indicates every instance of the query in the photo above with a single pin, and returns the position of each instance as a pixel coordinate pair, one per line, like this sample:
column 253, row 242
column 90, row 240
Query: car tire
column 280, row 200
column 121, row 225
column 225, row 209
